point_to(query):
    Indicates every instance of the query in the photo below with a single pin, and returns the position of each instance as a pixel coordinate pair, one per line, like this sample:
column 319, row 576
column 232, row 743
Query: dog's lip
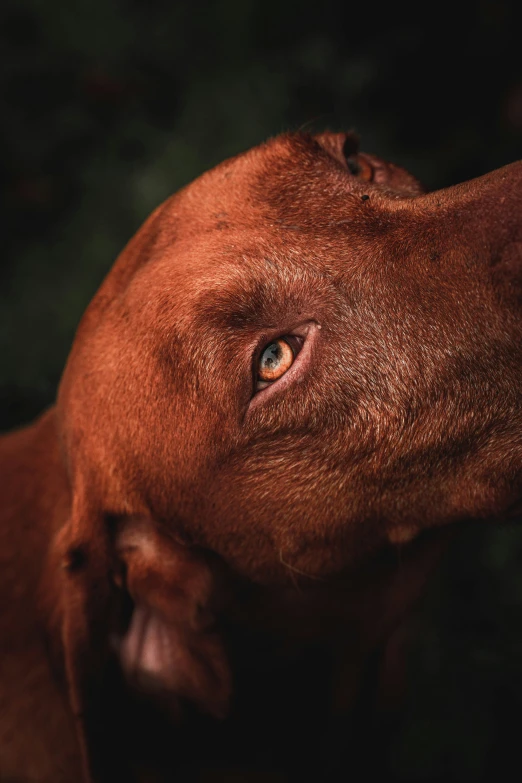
column 307, row 329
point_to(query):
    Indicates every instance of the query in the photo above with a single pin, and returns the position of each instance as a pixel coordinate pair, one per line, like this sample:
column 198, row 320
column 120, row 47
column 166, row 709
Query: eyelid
column 296, row 342
column 308, row 331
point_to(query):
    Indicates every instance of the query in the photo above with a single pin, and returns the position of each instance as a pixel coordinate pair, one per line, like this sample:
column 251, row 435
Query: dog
column 298, row 376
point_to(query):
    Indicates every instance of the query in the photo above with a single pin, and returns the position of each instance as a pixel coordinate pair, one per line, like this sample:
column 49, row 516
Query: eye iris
column 275, row 360
column 359, row 167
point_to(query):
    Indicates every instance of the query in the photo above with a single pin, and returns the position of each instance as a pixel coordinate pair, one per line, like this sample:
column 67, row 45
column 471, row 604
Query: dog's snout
column 485, row 215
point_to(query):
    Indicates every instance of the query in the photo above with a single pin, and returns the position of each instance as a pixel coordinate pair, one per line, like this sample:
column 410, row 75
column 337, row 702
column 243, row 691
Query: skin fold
column 193, row 559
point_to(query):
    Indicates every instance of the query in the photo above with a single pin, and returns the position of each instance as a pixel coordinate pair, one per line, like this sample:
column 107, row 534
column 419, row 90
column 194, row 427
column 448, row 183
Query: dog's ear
column 115, row 595
column 138, row 626
column 171, row 647
column 86, row 607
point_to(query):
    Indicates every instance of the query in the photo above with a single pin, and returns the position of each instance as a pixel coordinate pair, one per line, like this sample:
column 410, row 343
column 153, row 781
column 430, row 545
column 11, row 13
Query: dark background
column 108, row 106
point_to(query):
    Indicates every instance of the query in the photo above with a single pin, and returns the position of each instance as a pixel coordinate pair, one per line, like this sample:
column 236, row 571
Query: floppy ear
column 138, row 625
column 87, row 604
column 136, row 609
column 171, row 648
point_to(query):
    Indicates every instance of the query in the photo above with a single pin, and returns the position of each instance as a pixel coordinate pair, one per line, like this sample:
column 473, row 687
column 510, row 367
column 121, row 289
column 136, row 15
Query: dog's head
column 299, row 358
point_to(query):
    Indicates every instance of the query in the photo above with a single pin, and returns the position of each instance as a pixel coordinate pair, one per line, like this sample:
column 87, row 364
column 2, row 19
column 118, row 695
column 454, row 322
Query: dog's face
column 299, row 360
column 301, row 357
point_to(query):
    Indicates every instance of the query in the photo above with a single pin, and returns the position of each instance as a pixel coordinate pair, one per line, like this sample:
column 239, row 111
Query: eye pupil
column 271, row 355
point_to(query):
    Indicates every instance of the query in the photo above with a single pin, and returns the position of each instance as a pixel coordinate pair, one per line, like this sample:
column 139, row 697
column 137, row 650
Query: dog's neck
column 31, row 518
column 33, row 511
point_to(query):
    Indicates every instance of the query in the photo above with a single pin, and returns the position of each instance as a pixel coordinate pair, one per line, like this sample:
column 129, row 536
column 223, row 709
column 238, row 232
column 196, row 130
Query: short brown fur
column 161, row 483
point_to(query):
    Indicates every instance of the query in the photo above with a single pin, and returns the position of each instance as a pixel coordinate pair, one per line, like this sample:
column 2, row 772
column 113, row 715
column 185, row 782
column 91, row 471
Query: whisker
column 296, row 570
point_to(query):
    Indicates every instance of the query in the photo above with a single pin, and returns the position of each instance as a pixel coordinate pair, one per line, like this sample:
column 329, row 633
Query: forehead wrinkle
column 261, row 291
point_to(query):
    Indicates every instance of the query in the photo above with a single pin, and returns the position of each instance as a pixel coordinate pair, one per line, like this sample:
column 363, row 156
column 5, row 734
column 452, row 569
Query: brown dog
column 298, row 364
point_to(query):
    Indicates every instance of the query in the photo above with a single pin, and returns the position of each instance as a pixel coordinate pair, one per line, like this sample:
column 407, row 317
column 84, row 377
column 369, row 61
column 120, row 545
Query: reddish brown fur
column 274, row 516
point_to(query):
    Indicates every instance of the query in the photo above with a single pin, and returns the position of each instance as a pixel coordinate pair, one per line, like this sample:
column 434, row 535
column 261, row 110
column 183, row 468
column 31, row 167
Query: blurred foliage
column 108, row 106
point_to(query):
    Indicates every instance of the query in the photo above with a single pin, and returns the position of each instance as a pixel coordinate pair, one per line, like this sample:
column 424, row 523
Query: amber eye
column 360, row 167
column 275, row 360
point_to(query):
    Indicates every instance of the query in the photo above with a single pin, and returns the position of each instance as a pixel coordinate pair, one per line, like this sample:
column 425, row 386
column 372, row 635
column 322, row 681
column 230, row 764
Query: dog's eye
column 360, row 167
column 276, row 358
